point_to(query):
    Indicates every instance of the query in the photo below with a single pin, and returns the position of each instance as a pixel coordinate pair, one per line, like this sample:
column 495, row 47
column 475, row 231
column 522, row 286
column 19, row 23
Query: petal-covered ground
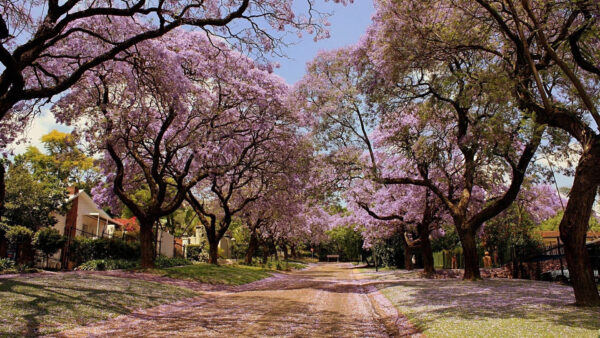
column 43, row 303
column 487, row 308
column 324, row 300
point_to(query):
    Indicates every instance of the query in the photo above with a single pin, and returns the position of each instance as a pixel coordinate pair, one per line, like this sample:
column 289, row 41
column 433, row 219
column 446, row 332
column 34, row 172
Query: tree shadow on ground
column 491, row 299
column 237, row 315
column 52, row 303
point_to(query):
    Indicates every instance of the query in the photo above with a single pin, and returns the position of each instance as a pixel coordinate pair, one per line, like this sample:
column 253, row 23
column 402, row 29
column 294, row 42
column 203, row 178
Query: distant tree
column 20, row 237
column 49, row 241
column 553, row 223
column 62, row 159
column 31, row 199
column 345, row 241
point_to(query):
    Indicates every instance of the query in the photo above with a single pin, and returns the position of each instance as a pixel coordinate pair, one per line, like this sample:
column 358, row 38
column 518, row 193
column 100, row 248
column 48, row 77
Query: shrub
column 48, row 240
column 197, row 253
column 166, row 262
column 86, row 249
column 6, row 264
column 17, row 234
column 107, row 264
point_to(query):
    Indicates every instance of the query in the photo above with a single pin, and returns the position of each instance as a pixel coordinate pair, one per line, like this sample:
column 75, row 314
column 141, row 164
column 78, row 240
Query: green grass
column 215, row 274
column 492, row 308
column 45, row 304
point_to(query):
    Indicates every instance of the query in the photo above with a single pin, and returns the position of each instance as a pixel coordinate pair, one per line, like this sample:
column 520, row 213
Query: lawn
column 491, row 308
column 215, row 274
column 43, row 304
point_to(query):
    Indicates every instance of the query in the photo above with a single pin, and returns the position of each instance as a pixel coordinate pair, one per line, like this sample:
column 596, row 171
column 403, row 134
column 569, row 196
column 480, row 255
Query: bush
column 48, row 240
column 197, row 253
column 86, row 249
column 6, row 264
column 17, row 234
column 107, row 264
column 166, row 262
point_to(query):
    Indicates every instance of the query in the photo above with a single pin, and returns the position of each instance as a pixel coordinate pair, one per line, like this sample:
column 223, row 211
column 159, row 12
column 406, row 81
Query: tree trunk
column 273, row 250
column 286, row 255
column 213, row 251
column 2, row 188
column 469, row 246
column 408, row 265
column 252, row 246
column 25, row 253
column 426, row 252
column 3, row 247
column 265, row 253
column 574, row 226
column 146, row 245
column 293, row 251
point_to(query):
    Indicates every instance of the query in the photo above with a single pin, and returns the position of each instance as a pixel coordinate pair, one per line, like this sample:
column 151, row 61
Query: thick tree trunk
column 469, row 246
column 426, row 252
column 574, row 226
column 252, row 246
column 146, row 245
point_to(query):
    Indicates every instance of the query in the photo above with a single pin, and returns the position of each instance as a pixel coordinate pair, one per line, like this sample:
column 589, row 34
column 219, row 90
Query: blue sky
column 348, row 23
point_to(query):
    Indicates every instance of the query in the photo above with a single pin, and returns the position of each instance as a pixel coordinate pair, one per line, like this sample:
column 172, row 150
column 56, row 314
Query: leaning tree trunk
column 574, row 226
column 469, row 246
column 428, row 268
column 252, row 246
column 146, row 245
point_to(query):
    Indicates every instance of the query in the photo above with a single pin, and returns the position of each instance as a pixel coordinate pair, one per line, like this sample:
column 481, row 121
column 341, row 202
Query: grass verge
column 44, row 304
column 492, row 308
column 215, row 274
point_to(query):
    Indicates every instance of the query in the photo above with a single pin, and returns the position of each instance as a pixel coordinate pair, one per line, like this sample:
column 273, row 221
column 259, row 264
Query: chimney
column 73, row 191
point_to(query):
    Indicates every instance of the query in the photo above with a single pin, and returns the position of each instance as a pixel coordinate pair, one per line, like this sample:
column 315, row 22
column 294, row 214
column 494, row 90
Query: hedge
column 85, row 249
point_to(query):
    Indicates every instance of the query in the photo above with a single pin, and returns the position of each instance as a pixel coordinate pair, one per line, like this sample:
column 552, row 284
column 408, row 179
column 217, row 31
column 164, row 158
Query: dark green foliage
column 31, row 199
column 449, row 241
column 6, row 264
column 107, row 264
column 551, row 224
column 48, row 240
column 166, row 262
column 18, row 234
column 515, row 230
column 390, row 252
column 196, row 252
column 344, row 241
column 86, row 249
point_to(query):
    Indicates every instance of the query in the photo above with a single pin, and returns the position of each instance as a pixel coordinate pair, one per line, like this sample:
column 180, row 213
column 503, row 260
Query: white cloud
column 40, row 126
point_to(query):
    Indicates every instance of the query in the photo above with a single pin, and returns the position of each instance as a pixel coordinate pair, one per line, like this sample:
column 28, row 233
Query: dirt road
column 324, row 300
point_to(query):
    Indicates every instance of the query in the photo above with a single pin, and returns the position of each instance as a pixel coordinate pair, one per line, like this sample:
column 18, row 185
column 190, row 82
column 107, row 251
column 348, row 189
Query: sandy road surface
column 323, row 301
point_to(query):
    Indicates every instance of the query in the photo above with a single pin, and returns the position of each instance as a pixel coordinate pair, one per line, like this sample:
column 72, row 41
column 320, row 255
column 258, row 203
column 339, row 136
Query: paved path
column 324, row 300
